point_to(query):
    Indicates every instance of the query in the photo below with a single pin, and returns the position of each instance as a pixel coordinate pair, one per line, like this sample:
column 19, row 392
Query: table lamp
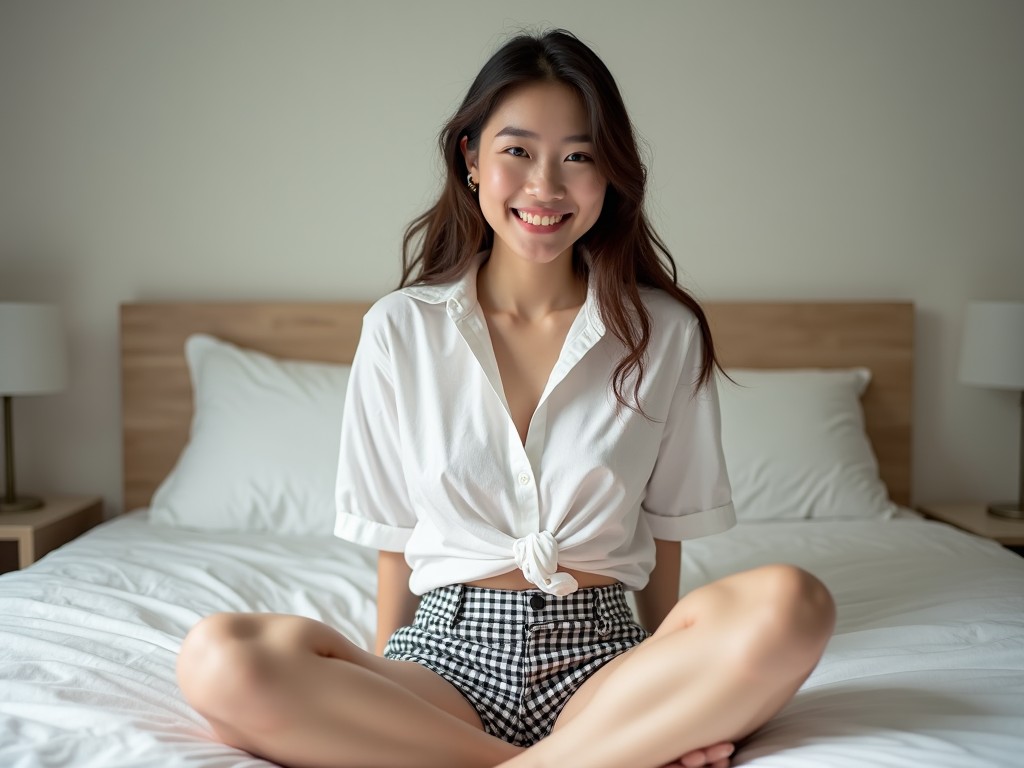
column 992, row 355
column 33, row 361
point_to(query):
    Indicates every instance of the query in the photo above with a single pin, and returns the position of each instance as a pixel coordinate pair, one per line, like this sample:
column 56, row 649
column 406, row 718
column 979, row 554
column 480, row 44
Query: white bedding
column 926, row 667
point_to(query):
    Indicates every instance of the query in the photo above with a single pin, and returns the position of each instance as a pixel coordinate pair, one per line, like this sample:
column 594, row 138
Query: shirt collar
column 460, row 295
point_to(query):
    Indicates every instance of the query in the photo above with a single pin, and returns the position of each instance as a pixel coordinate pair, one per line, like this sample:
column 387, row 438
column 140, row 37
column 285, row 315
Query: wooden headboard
column 157, row 397
column 878, row 336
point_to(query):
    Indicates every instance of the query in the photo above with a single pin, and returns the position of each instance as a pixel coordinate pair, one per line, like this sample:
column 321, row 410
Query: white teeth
column 540, row 221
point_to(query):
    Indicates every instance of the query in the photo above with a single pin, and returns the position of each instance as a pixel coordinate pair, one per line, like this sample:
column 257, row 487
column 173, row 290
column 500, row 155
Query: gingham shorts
column 517, row 656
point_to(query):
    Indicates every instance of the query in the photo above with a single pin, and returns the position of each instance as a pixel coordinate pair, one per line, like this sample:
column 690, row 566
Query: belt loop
column 600, row 603
column 458, row 605
column 600, row 606
column 603, row 610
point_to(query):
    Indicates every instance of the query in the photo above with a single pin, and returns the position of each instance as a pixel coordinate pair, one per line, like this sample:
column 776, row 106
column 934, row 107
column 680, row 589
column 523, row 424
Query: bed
column 230, row 413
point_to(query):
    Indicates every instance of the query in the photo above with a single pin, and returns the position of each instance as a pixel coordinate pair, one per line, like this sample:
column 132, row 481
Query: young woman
column 530, row 430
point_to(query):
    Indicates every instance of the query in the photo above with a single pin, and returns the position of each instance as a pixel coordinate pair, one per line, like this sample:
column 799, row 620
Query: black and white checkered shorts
column 517, row 656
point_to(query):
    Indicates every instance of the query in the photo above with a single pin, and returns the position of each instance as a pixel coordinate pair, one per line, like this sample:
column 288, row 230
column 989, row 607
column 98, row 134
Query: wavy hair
column 625, row 252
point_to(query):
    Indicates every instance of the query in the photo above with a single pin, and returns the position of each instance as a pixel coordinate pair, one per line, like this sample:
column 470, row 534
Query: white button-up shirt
column 432, row 465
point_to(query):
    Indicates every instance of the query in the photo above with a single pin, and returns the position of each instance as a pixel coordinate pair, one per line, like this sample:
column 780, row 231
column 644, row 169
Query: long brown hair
column 625, row 251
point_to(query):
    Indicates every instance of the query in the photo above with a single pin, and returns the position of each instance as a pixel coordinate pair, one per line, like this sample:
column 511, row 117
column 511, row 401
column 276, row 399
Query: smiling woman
column 531, row 429
column 534, row 168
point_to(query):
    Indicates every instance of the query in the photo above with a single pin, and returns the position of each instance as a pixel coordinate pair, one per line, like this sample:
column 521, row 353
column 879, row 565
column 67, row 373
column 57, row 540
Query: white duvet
column 926, row 668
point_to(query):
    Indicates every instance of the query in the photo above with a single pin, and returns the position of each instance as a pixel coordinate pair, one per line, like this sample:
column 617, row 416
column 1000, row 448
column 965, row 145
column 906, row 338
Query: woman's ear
column 469, row 155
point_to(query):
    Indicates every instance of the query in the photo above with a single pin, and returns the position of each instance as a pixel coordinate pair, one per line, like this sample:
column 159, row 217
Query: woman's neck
column 509, row 284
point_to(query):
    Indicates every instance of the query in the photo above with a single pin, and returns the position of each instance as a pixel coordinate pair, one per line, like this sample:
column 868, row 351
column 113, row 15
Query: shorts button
column 537, row 602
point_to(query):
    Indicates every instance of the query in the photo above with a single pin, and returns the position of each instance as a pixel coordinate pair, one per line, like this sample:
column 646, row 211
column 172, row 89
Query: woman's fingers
column 721, row 751
column 715, row 756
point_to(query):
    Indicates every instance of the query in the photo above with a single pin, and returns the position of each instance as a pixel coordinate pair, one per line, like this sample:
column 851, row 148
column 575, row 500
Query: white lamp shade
column 992, row 353
column 33, row 354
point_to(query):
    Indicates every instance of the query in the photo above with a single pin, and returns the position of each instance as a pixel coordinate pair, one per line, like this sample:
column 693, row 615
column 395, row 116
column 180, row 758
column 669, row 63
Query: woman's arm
column 661, row 594
column 396, row 605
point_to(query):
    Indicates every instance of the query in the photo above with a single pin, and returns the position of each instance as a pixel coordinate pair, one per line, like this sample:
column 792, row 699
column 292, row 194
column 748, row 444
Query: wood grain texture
column 156, row 394
column 38, row 531
column 878, row 336
column 157, row 397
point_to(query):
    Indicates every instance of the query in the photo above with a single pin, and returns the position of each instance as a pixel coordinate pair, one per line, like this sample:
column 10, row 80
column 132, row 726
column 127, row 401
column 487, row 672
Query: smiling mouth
column 534, row 220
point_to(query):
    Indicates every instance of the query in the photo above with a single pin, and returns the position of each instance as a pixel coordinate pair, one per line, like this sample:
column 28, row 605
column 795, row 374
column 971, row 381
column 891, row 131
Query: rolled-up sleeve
column 688, row 495
column 372, row 500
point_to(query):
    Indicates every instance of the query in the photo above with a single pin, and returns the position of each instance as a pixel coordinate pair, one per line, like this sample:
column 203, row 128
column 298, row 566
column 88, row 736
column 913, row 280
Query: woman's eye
column 578, row 157
column 516, row 151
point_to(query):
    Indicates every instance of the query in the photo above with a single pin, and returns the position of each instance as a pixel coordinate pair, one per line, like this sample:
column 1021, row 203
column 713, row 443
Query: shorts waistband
column 525, row 607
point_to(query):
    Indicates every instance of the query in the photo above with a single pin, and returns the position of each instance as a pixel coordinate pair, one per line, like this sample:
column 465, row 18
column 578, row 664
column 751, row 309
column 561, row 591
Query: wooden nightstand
column 27, row 536
column 975, row 519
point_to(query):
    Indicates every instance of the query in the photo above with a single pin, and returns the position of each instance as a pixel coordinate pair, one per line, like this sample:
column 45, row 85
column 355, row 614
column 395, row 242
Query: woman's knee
column 804, row 599
column 792, row 611
column 212, row 654
column 226, row 665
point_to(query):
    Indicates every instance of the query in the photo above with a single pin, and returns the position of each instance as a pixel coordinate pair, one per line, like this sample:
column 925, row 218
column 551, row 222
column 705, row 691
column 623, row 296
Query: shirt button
column 454, row 306
column 524, row 479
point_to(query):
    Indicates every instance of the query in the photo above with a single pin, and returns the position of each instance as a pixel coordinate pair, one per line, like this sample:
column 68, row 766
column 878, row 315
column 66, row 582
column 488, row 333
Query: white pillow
column 263, row 450
column 796, row 448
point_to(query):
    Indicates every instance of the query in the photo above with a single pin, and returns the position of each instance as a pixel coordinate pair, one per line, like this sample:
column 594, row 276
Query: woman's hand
column 715, row 756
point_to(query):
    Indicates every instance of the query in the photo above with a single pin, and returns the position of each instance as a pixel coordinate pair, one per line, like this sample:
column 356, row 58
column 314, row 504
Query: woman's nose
column 546, row 183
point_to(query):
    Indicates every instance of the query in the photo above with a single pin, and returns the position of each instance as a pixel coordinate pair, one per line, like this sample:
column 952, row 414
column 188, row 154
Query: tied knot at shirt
column 431, row 463
column 536, row 554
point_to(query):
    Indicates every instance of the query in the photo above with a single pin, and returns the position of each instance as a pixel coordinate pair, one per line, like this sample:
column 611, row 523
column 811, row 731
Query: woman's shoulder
column 398, row 312
column 667, row 312
column 386, row 310
column 384, row 318
column 401, row 305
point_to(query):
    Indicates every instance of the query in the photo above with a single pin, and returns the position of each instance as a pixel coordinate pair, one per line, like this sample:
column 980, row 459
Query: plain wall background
column 799, row 149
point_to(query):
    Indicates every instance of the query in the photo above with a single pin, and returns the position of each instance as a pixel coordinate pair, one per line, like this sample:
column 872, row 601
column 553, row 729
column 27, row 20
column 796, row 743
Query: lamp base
column 20, row 504
column 1011, row 510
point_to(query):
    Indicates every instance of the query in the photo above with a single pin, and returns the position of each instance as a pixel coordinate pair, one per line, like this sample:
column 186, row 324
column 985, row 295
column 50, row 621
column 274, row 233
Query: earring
column 470, row 183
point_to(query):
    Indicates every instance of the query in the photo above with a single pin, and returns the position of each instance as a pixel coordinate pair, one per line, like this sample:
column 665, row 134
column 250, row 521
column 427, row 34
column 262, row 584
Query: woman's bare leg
column 727, row 658
column 297, row 692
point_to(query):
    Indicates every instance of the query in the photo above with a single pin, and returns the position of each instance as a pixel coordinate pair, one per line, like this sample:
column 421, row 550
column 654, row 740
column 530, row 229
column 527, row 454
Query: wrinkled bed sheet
column 926, row 667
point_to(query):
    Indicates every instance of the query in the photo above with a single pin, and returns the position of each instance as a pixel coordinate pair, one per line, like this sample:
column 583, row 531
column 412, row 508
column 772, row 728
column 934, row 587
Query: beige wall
column 807, row 149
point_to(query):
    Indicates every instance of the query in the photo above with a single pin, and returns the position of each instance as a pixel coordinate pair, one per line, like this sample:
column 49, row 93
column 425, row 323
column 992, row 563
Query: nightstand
column 974, row 518
column 27, row 536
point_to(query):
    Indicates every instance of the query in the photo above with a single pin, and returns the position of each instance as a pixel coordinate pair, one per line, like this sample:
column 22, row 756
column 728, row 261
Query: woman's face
column 540, row 189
